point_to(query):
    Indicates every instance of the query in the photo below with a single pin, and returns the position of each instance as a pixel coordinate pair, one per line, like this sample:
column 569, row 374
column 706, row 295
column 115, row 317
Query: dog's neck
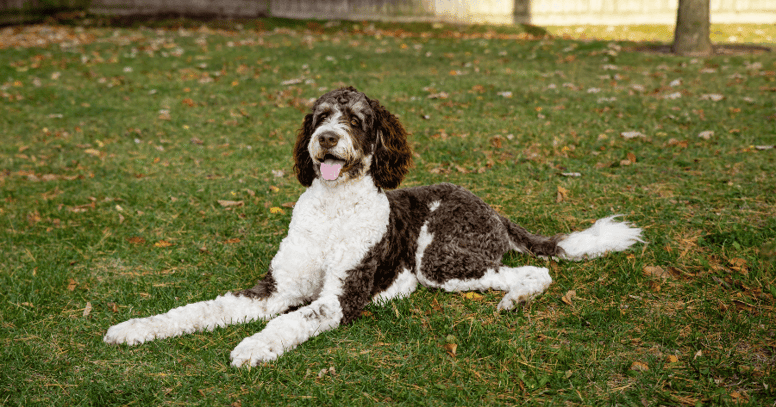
column 344, row 194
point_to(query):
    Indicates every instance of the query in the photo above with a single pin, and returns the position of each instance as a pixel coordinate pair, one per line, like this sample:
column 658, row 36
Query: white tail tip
column 603, row 237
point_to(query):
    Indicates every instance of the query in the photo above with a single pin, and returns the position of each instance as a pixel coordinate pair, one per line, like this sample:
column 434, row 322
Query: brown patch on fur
column 393, row 155
column 263, row 289
column 303, row 163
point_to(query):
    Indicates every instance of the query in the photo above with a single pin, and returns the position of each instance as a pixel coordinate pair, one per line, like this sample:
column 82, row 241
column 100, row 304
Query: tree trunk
column 691, row 37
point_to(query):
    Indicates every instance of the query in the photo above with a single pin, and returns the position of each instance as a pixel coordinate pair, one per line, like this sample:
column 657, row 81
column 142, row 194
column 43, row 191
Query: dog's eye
column 355, row 122
column 323, row 116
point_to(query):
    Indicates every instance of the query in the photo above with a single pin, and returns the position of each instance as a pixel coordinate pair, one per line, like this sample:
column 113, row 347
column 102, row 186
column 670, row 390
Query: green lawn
column 146, row 167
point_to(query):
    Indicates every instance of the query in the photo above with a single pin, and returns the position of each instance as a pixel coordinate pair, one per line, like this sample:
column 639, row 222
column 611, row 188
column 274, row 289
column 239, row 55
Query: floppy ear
column 393, row 155
column 303, row 163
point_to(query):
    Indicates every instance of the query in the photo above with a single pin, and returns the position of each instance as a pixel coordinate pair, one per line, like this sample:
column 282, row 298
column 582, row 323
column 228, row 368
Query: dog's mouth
column 331, row 167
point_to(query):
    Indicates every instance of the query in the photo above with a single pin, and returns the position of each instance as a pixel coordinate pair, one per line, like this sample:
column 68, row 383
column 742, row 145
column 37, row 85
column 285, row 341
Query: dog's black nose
column 328, row 139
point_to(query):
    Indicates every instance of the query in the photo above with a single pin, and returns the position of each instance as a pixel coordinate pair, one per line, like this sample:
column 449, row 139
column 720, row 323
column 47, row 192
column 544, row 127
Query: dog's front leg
column 205, row 315
column 287, row 331
column 343, row 298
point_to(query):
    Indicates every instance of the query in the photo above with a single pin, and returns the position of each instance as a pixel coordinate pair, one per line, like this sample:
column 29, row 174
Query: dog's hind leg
column 470, row 260
column 521, row 284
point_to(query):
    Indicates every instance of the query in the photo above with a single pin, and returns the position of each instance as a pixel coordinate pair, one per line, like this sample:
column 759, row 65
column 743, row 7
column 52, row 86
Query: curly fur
column 353, row 240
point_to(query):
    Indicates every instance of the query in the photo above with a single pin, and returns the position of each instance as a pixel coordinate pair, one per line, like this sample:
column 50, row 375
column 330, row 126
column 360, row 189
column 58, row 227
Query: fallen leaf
column 738, row 265
column 706, row 134
column 569, row 297
column 671, row 96
column 288, row 204
column 275, row 210
column 274, row 188
column 232, row 241
column 631, row 157
column 678, row 143
column 714, row 97
column 163, row 243
column 639, row 366
column 632, row 134
column 136, row 240
column 656, row 272
column 561, row 195
column 87, row 309
column 324, row 372
column 451, row 348
column 472, row 296
column 230, row 204
column 672, row 359
column 71, row 285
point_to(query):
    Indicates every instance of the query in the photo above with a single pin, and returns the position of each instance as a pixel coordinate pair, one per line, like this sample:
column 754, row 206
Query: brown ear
column 303, row 163
column 393, row 155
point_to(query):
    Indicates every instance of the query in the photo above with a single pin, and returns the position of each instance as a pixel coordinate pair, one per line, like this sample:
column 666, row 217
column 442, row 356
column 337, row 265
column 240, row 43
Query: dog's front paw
column 131, row 332
column 256, row 349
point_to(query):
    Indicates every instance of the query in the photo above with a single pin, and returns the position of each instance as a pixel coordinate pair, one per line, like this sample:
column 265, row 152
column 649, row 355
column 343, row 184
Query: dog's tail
column 603, row 237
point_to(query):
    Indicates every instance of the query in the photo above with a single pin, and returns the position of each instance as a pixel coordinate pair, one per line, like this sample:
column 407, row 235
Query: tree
column 693, row 21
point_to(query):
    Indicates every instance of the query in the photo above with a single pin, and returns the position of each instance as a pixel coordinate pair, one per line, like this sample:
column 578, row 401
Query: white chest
column 331, row 231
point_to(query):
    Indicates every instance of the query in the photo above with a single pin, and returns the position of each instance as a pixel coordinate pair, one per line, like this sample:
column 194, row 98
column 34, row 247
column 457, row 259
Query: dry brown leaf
column 656, row 272
column 288, row 204
column 739, row 265
column 672, row 359
column 639, row 366
column 631, row 157
column 163, row 243
column 136, row 240
column 562, row 194
column 451, row 348
column 231, row 241
column 569, row 297
column 88, row 309
column 230, row 204
column 71, row 285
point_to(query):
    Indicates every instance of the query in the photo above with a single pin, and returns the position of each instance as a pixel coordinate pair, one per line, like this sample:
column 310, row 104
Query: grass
column 118, row 142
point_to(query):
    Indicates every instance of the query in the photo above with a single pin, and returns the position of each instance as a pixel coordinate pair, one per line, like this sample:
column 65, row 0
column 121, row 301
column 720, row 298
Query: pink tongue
column 330, row 171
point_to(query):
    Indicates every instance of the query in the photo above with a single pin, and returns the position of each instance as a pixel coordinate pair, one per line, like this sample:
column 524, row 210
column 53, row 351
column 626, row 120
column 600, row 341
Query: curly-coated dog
column 353, row 240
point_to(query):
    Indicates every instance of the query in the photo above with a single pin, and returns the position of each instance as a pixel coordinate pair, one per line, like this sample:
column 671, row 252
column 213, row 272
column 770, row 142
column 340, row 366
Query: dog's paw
column 256, row 349
column 533, row 281
column 131, row 332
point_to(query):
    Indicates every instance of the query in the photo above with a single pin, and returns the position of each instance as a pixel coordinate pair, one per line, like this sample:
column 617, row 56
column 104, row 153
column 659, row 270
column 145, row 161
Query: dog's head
column 348, row 136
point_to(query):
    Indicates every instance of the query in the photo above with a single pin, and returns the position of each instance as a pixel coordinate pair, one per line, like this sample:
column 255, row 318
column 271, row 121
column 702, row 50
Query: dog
column 354, row 239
